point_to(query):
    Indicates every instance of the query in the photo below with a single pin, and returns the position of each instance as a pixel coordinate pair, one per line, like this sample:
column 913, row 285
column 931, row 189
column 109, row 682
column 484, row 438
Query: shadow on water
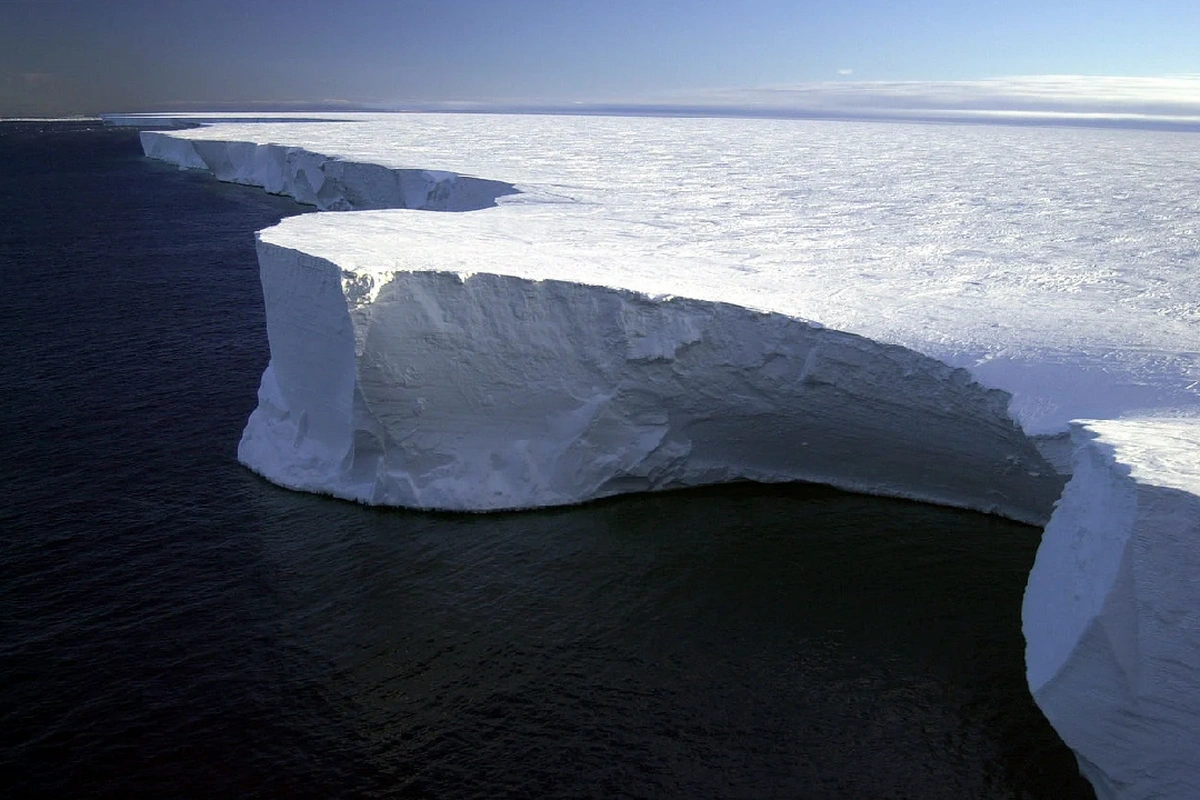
column 173, row 626
column 735, row 641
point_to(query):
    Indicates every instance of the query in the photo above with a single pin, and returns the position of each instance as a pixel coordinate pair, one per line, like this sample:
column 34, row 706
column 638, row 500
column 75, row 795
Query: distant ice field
column 1054, row 263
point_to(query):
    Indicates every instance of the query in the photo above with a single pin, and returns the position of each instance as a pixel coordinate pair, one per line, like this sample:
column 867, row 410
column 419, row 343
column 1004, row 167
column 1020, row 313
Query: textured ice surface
column 600, row 331
column 1049, row 262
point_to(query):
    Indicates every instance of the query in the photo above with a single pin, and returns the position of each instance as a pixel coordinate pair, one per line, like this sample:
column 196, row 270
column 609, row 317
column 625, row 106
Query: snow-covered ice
column 420, row 384
column 636, row 303
column 1048, row 262
column 1112, row 610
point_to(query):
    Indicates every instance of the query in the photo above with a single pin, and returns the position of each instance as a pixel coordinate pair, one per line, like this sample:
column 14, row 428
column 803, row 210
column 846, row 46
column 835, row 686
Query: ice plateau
column 635, row 304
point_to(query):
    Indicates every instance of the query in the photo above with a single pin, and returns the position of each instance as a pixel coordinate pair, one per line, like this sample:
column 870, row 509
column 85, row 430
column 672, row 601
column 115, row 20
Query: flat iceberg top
column 1051, row 263
column 1162, row 452
column 1112, row 609
column 502, row 357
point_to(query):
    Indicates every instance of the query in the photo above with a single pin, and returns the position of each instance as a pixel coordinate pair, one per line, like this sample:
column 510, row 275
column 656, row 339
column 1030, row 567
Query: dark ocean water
column 173, row 626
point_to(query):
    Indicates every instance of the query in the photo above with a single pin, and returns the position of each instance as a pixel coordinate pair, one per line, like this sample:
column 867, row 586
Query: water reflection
column 737, row 641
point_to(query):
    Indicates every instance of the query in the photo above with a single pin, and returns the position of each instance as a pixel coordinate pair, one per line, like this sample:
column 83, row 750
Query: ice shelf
column 1112, row 610
column 642, row 304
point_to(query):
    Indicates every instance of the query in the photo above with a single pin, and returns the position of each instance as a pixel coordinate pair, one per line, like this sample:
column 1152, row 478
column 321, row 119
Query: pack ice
column 638, row 304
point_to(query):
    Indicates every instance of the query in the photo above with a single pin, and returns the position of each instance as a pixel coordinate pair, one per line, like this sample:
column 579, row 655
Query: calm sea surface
column 173, row 626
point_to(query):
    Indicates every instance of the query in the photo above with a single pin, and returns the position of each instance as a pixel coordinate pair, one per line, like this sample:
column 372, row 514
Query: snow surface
column 645, row 303
column 1048, row 262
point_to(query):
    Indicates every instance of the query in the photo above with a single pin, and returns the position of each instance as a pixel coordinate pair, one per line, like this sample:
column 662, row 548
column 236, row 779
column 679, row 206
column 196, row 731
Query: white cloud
column 845, row 72
column 1170, row 97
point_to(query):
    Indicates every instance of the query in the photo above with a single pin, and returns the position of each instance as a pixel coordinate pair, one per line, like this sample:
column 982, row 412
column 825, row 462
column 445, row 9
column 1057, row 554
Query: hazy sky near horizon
column 89, row 56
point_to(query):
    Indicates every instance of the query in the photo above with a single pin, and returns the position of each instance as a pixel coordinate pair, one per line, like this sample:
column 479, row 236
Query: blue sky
column 86, row 56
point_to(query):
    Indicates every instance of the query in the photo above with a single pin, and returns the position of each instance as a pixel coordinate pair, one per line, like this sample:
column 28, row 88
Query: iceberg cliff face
column 1047, row 262
column 1112, row 609
column 428, row 386
column 599, row 333
column 489, row 391
column 330, row 184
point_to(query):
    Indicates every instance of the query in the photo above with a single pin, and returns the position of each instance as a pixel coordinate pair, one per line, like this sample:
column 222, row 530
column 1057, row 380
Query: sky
column 62, row 57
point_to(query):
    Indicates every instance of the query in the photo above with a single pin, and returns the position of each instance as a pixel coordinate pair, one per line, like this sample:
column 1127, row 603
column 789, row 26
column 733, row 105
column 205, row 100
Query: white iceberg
column 431, row 389
column 1112, row 610
column 636, row 304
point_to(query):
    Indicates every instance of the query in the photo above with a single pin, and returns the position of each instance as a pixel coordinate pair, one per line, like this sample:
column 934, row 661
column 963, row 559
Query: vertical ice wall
column 492, row 391
column 1108, row 615
column 330, row 184
column 1112, row 609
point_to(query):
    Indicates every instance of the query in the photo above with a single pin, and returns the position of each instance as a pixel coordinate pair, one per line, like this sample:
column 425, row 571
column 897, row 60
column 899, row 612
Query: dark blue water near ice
column 172, row 626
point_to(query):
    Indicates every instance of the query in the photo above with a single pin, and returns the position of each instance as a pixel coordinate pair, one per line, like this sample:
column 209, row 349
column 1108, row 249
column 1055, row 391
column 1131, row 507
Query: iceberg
column 1112, row 609
column 329, row 184
column 486, row 391
column 633, row 304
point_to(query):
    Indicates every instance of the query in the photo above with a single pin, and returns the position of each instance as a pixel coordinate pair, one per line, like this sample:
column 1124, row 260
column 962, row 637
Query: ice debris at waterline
column 633, row 304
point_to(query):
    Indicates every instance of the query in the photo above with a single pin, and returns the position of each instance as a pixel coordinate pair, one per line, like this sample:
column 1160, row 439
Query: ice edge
column 932, row 459
column 1060, row 629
